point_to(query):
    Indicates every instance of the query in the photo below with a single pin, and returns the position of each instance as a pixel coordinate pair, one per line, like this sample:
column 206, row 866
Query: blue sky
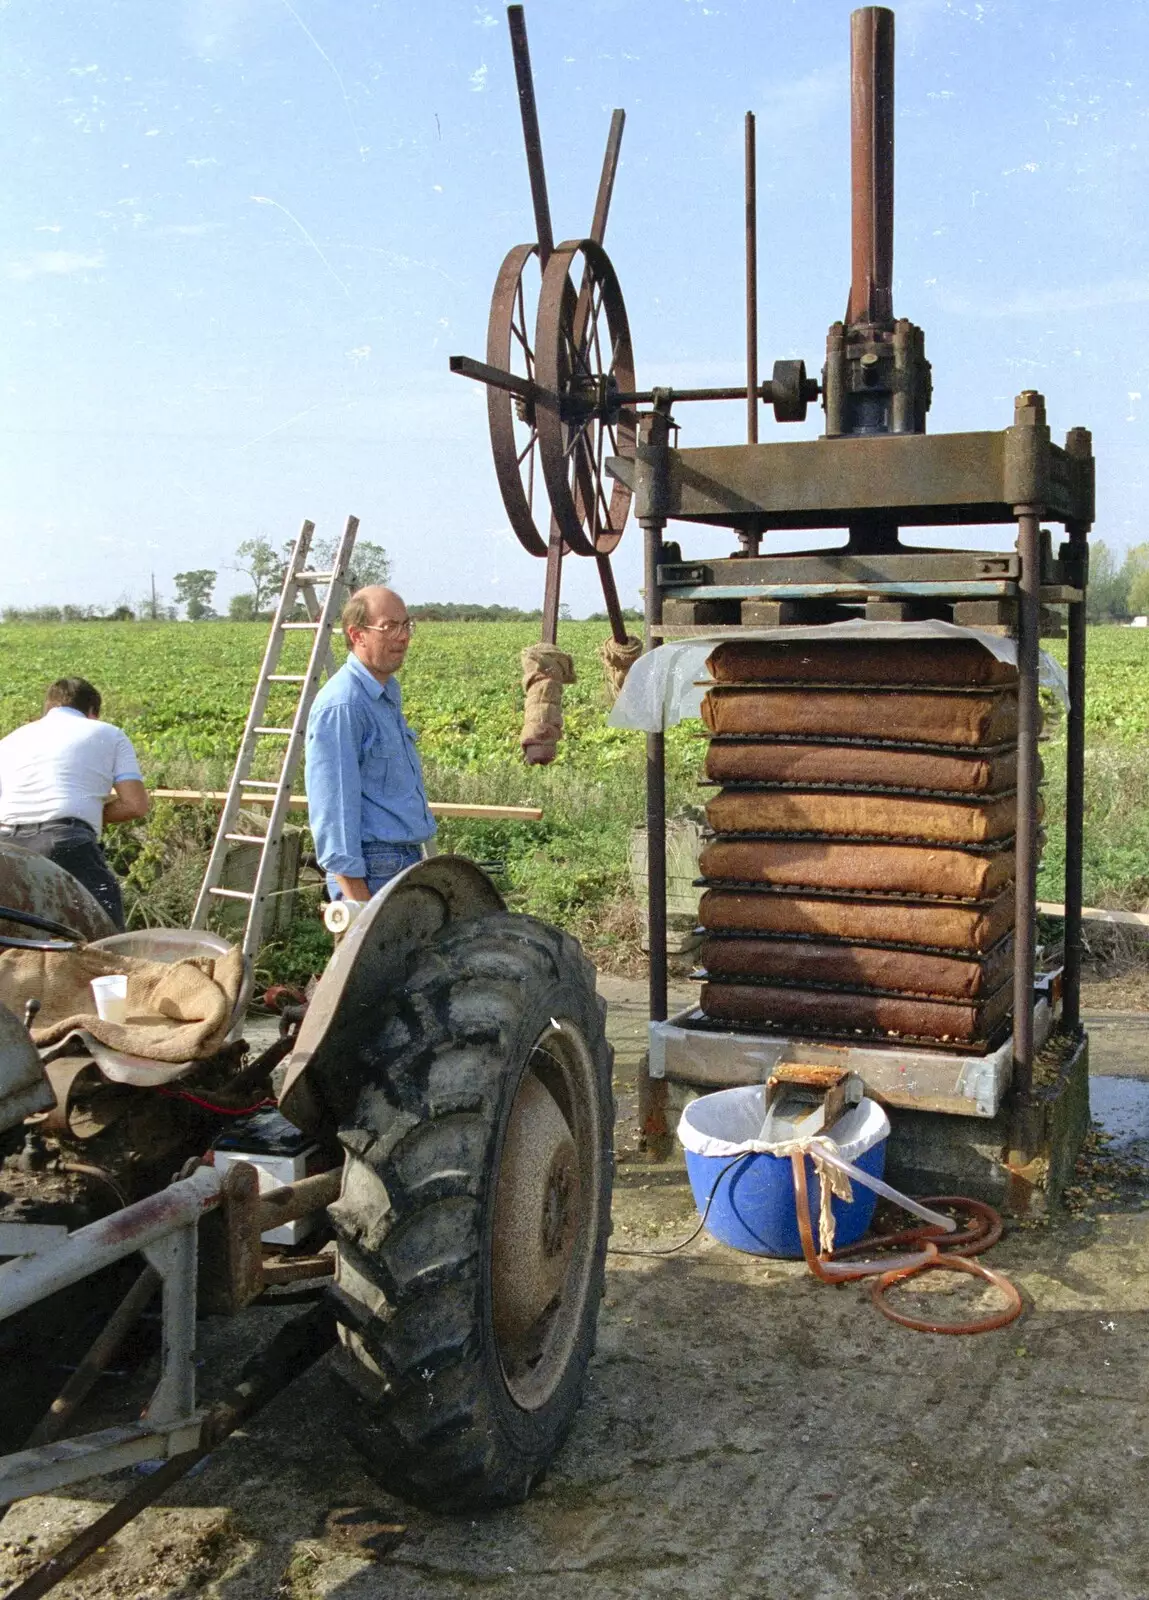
column 240, row 238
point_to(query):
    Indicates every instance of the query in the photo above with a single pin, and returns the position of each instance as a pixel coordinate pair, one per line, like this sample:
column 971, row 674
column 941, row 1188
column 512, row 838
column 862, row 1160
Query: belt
column 14, row 829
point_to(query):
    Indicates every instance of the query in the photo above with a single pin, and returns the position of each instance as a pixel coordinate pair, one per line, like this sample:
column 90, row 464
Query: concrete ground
column 747, row 1431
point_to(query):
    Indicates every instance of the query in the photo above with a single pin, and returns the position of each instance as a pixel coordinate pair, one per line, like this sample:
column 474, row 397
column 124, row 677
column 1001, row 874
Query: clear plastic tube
column 949, row 1224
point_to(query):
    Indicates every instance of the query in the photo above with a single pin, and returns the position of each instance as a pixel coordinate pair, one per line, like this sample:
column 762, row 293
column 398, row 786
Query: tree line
column 1117, row 593
column 265, row 568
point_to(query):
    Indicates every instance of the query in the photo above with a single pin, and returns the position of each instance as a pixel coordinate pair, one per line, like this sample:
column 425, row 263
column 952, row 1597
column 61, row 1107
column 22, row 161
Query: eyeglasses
column 407, row 627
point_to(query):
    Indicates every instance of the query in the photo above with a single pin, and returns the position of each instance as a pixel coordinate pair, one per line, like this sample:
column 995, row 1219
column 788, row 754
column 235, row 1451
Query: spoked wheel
column 583, row 355
column 512, row 421
column 473, row 1223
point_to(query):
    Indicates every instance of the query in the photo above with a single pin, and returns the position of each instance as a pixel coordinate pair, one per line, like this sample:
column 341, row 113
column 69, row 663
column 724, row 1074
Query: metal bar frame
column 163, row 1228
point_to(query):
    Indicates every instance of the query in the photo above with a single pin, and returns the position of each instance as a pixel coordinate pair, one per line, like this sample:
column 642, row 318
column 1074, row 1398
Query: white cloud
column 478, row 79
column 787, row 107
column 53, row 264
column 1053, row 302
column 186, row 230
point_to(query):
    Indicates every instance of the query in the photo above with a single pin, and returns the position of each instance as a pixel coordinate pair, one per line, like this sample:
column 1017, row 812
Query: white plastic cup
column 111, row 996
column 338, row 915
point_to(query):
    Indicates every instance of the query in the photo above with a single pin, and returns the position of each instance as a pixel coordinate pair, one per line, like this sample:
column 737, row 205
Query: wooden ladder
column 299, row 584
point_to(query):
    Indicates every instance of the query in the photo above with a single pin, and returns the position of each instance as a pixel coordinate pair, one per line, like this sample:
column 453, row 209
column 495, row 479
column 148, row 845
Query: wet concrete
column 747, row 1432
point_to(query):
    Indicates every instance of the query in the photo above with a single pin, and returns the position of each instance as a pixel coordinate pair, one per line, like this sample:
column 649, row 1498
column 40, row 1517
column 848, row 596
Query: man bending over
column 63, row 779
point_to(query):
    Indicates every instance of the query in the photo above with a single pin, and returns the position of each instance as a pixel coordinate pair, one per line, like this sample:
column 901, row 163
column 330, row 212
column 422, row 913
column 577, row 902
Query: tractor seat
column 164, row 944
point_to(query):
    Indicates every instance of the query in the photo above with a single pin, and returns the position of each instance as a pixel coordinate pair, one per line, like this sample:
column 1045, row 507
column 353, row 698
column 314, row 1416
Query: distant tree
column 1135, row 573
column 194, row 590
column 241, row 608
column 152, row 607
column 370, row 563
column 122, row 613
column 258, row 561
column 1107, row 598
column 460, row 611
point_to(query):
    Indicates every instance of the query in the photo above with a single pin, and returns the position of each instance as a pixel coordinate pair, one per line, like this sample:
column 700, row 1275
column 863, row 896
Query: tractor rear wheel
column 473, row 1222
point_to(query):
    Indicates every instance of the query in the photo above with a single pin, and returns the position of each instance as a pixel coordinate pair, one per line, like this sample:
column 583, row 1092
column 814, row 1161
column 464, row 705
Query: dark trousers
column 74, row 845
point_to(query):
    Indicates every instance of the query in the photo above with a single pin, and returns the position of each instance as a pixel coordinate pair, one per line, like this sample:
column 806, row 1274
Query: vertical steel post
column 1028, row 767
column 651, row 457
column 1074, row 804
column 751, row 284
column 872, row 165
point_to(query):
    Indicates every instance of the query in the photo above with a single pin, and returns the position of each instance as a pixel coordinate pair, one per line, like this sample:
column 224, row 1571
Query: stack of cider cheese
column 860, row 877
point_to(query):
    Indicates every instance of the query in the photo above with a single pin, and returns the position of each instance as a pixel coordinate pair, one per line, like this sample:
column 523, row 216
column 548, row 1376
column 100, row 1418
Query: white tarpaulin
column 663, row 685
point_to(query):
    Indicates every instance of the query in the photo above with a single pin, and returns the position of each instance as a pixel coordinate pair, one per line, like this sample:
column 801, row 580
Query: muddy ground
column 747, row 1432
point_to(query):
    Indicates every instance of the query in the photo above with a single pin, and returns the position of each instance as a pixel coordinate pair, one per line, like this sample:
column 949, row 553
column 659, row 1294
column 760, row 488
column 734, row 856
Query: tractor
column 451, row 1074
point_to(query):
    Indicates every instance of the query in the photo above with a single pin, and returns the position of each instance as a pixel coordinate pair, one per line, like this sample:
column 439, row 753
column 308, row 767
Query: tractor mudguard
column 33, row 883
column 370, row 965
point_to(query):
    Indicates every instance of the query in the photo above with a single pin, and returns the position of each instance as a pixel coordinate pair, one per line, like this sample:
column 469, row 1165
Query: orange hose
column 985, row 1229
column 996, row 1319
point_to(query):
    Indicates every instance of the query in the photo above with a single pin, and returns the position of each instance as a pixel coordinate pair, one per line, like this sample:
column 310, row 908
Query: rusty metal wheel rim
column 514, row 441
column 583, row 336
column 542, row 1268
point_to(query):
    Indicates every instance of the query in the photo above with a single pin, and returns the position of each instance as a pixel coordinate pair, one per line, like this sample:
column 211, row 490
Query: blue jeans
column 384, row 861
column 74, row 845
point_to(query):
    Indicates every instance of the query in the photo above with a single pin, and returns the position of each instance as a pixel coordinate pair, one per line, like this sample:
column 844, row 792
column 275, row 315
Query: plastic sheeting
column 663, row 687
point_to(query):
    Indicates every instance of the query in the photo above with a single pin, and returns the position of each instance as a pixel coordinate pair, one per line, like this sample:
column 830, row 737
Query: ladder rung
column 287, row 731
column 247, row 838
column 259, row 783
column 232, row 894
column 299, row 624
column 287, row 677
column 314, row 577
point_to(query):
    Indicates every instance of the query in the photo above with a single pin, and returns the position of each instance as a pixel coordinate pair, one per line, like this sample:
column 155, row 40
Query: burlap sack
column 836, row 1012
column 177, row 1011
column 849, row 764
column 961, row 719
column 954, row 662
column 617, row 660
column 879, row 868
column 878, row 816
column 857, row 966
column 546, row 669
column 935, row 926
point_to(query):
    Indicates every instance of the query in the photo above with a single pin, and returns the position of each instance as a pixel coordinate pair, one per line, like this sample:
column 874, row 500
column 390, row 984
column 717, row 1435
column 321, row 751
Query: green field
column 181, row 691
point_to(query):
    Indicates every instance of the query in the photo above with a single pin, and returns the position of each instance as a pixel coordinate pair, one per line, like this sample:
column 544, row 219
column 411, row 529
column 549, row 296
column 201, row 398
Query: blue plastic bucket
column 753, row 1208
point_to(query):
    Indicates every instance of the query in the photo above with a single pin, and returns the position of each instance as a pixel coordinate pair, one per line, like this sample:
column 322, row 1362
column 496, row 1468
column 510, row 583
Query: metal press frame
column 875, row 482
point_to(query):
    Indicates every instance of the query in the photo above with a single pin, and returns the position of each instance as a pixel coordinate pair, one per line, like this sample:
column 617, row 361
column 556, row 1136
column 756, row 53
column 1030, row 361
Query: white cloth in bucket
column 728, row 1124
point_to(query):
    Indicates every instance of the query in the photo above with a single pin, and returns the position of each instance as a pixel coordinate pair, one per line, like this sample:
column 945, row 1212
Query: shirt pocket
column 380, row 754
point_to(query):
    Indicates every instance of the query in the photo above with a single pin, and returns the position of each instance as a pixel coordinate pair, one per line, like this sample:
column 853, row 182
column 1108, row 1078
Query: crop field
column 181, row 691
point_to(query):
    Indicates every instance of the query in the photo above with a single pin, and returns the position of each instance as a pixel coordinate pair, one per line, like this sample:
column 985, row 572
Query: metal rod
column 295, row 1200
column 512, row 383
column 534, row 145
column 295, row 1348
column 598, row 232
column 1074, row 796
column 872, row 165
column 553, row 587
column 1028, row 771
column 751, row 284
column 610, row 596
column 54, row 1422
column 607, row 176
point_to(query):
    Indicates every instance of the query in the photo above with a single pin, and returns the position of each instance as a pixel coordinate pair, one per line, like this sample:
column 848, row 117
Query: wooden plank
column 438, row 808
column 1128, row 919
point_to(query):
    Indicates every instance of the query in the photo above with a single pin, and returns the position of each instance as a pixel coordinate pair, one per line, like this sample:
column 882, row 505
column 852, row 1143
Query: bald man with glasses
column 365, row 794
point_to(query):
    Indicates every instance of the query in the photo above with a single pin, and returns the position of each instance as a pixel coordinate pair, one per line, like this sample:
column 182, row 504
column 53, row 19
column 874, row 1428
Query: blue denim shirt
column 364, row 781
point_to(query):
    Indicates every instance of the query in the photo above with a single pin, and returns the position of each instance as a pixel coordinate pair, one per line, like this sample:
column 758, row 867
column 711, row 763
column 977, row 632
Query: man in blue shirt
column 365, row 793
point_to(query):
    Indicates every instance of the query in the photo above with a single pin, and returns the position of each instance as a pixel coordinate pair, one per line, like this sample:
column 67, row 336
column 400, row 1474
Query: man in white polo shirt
column 62, row 779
